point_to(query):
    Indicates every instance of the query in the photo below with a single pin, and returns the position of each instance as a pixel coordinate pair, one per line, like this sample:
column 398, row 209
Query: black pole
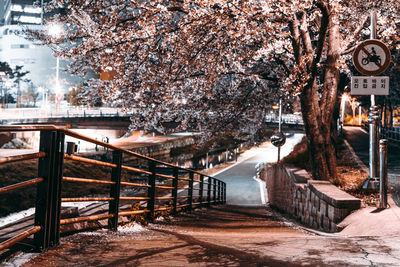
column 151, row 192
column 115, row 190
column 48, row 198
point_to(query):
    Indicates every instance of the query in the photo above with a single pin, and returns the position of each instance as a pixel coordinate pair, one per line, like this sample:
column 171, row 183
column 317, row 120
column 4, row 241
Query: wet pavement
column 221, row 236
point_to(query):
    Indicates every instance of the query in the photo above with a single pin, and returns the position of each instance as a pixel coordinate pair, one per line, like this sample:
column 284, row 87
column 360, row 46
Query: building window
column 29, row 19
column 16, row 46
column 17, row 8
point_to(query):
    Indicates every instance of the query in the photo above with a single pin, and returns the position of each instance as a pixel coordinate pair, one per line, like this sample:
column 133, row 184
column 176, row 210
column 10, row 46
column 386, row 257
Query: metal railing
column 36, row 113
column 172, row 192
column 391, row 134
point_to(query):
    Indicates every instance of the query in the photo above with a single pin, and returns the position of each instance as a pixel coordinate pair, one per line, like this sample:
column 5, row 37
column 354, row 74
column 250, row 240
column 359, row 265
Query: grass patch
column 299, row 157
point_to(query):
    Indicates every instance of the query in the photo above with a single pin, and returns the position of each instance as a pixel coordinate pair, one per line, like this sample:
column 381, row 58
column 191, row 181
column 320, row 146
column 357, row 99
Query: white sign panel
column 370, row 85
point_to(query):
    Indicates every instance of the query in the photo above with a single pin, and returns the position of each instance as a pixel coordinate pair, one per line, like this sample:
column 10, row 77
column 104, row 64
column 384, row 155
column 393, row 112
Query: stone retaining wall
column 317, row 204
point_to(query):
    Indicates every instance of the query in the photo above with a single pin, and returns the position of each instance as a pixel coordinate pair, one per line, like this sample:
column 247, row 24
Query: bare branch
column 355, row 36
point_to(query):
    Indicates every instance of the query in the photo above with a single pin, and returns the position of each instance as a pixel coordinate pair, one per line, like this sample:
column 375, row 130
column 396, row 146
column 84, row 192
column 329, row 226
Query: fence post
column 175, row 190
column 219, row 192
column 224, row 202
column 201, row 189
column 209, row 191
column 191, row 177
column 151, row 192
column 215, row 191
column 48, row 198
column 115, row 190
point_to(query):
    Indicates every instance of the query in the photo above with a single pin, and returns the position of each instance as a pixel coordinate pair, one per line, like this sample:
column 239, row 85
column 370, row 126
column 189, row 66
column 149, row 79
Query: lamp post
column 55, row 30
column 343, row 106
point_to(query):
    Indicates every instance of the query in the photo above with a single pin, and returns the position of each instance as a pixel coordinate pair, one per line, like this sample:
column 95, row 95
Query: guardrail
column 38, row 113
column 391, row 134
column 181, row 184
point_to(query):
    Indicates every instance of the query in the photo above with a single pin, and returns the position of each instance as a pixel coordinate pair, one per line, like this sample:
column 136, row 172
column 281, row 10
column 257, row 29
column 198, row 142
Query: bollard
column 71, row 148
column 383, row 174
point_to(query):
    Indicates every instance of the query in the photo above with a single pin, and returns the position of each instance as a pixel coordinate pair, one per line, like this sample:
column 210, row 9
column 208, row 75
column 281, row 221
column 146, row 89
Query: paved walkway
column 242, row 186
column 358, row 138
column 222, row 236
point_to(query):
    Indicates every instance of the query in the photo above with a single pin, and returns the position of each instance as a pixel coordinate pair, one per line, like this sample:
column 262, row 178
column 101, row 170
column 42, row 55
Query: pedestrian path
column 242, row 186
column 358, row 139
column 221, row 236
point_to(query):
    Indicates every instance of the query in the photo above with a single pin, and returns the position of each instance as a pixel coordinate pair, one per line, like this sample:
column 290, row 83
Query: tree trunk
column 317, row 109
column 316, row 141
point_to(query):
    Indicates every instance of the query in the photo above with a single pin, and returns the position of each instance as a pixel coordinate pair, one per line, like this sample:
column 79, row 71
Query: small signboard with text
column 370, row 85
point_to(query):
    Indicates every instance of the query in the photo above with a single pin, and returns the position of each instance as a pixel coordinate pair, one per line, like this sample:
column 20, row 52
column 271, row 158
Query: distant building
column 21, row 12
column 15, row 15
column 38, row 60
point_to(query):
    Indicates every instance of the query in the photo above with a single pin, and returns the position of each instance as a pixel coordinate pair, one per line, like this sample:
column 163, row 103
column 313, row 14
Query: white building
column 37, row 59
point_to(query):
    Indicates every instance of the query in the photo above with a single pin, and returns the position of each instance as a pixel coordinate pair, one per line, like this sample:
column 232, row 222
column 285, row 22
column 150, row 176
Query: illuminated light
column 17, row 8
column 57, row 88
column 275, row 107
column 107, row 74
column 35, row 10
column 29, row 19
column 54, row 29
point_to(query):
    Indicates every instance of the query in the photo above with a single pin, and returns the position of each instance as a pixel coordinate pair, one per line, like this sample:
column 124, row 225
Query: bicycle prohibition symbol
column 371, row 57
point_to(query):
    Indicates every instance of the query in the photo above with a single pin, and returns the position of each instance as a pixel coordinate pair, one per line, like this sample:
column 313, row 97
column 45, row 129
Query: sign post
column 371, row 58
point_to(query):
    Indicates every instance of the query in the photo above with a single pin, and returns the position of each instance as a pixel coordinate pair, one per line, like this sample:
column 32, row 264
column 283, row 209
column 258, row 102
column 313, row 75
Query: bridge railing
column 159, row 186
column 37, row 113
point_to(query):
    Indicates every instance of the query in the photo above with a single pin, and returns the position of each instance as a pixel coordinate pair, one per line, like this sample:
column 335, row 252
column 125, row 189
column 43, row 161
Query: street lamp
column 55, row 30
column 345, row 97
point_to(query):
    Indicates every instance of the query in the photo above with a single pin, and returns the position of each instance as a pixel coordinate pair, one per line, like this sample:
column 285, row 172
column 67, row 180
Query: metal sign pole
column 280, row 127
column 373, row 118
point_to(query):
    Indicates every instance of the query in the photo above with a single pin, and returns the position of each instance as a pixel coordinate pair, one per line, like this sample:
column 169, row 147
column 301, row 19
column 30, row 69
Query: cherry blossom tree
column 217, row 66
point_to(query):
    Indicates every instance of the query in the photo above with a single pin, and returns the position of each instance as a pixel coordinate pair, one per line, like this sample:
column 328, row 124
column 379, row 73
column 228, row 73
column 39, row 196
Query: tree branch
column 295, row 38
column 350, row 46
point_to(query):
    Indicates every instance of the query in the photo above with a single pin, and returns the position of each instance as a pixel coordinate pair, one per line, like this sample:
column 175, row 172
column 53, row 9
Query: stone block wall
column 316, row 204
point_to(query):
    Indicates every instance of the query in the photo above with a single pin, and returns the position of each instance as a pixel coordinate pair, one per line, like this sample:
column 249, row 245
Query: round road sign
column 371, row 57
column 278, row 139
